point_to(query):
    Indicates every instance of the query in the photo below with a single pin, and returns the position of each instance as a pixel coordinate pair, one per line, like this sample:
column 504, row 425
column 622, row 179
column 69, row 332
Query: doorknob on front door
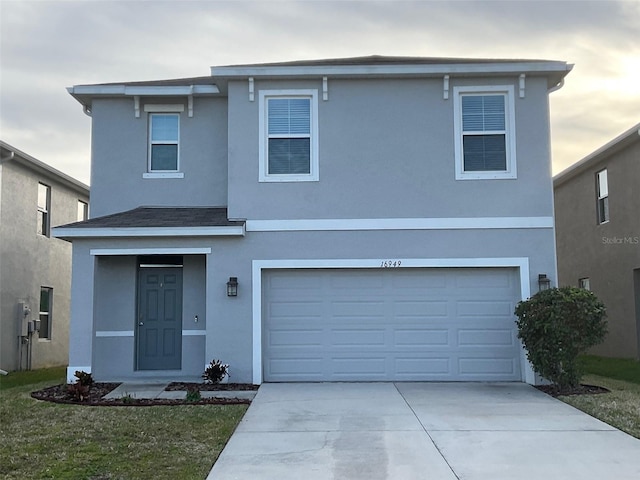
column 141, row 323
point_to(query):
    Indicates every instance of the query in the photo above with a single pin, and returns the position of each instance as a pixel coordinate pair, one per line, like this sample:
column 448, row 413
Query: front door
column 159, row 324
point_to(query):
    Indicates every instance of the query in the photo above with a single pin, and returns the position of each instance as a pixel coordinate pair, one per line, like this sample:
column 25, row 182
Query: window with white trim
column 288, row 136
column 164, row 135
column 485, row 132
column 602, row 186
column 584, row 283
column 46, row 307
column 44, row 209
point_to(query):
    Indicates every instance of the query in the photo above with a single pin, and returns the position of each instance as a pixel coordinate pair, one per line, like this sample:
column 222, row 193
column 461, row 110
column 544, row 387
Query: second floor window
column 602, row 186
column 288, row 150
column 44, row 209
column 164, row 134
column 484, row 133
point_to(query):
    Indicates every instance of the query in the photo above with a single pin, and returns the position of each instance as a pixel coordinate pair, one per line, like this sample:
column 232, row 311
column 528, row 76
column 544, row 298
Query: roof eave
column 556, row 71
column 621, row 141
column 45, row 170
column 85, row 93
column 71, row 233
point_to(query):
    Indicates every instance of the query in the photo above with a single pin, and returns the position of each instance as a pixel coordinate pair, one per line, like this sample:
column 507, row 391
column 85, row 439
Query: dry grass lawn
column 46, row 440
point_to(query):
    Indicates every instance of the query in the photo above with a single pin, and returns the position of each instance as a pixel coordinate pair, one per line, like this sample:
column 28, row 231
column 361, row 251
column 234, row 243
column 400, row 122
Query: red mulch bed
column 58, row 394
column 582, row 389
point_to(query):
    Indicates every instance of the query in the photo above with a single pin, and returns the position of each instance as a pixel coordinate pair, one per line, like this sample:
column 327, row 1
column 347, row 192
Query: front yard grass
column 47, row 440
column 619, row 408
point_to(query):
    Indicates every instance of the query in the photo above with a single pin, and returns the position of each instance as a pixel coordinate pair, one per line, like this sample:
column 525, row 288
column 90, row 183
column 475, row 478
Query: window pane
column 603, row 184
column 483, row 112
column 164, row 157
column 289, row 156
column 42, row 223
column 43, row 197
column 45, row 299
column 82, row 211
column 603, row 210
column 484, row 153
column 289, row 115
column 164, row 128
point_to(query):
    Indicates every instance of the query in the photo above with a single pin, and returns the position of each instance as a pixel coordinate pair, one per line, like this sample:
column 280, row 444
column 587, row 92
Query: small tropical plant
column 84, row 378
column 556, row 326
column 215, row 372
column 77, row 392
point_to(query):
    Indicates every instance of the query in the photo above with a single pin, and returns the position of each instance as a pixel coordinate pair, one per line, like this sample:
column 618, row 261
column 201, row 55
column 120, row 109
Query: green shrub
column 193, row 395
column 557, row 325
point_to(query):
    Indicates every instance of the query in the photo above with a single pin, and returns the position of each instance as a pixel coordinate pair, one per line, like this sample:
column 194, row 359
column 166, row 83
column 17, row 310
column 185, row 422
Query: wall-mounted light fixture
column 232, row 287
column 544, row 283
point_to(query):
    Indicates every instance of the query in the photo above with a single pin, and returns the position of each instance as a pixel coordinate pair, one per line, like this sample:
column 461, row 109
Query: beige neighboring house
column 597, row 210
column 35, row 268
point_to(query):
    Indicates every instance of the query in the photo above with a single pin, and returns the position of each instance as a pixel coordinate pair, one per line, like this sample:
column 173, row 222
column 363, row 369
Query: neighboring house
column 373, row 218
column 597, row 206
column 35, row 269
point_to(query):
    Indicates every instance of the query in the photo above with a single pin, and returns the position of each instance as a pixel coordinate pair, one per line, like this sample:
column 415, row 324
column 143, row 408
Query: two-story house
column 597, row 207
column 372, row 218
column 35, row 268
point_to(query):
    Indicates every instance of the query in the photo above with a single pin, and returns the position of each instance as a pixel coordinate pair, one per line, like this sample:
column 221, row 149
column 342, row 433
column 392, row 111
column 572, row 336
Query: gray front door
column 159, row 329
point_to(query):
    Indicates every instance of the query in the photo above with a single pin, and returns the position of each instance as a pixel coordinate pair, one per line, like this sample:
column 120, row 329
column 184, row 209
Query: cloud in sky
column 46, row 46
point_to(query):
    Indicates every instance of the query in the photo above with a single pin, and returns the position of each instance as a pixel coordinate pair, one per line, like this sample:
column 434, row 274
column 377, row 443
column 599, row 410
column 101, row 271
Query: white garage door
column 403, row 324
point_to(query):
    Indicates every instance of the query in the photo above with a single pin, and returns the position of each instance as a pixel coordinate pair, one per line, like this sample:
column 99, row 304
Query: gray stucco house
column 35, row 268
column 597, row 207
column 370, row 218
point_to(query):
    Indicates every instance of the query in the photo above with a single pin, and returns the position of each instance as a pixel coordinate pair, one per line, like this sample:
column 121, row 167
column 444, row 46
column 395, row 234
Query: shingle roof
column 159, row 217
column 386, row 60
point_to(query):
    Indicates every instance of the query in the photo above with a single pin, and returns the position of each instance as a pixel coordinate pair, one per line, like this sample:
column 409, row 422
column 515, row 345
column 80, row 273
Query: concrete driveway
column 406, row 431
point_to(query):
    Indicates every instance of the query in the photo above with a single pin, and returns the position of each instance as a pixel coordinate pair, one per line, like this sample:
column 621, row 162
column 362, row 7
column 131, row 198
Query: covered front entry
column 395, row 324
column 159, row 322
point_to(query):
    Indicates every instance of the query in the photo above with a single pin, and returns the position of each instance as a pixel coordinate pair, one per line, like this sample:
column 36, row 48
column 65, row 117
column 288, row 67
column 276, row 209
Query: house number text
column 390, row 263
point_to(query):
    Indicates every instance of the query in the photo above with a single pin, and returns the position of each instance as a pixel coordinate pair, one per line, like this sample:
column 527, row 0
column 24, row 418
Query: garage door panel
column 485, row 338
column 290, row 337
column 420, row 308
column 420, row 337
column 359, row 309
column 457, row 325
column 485, row 308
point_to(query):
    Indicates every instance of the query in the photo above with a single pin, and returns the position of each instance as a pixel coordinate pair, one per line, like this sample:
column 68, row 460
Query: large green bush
column 557, row 325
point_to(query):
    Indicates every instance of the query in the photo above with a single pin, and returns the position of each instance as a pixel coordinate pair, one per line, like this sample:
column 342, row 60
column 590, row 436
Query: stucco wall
column 119, row 157
column 608, row 253
column 30, row 261
column 229, row 319
column 386, row 150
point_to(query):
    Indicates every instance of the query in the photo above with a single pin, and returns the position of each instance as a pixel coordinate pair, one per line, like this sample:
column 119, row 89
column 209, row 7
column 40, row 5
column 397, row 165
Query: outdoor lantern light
column 232, row 287
column 544, row 283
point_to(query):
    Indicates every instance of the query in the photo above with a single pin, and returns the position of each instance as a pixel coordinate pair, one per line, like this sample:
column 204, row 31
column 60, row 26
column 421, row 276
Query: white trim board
column 114, row 333
column 150, row 251
column 236, row 230
column 521, row 263
column 343, row 224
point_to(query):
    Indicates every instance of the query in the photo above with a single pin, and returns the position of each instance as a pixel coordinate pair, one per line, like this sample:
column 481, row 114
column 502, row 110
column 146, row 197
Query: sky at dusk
column 46, row 46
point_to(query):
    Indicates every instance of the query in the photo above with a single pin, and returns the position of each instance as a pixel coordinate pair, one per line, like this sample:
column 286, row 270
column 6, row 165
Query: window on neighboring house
column 288, row 136
column 44, row 209
column 164, row 134
column 46, row 307
column 485, row 132
column 602, row 186
column 83, row 211
column 584, row 283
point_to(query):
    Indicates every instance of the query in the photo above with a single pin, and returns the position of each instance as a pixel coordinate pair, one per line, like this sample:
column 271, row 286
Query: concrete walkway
column 157, row 390
column 407, row 431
